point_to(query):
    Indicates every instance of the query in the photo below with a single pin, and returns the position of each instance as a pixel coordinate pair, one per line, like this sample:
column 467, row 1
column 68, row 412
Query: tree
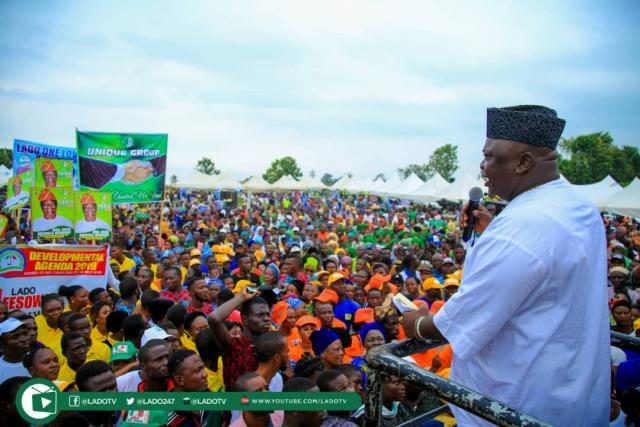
column 206, row 166
column 349, row 175
column 280, row 167
column 444, row 160
column 173, row 180
column 328, row 180
column 6, row 157
column 381, row 176
column 312, row 173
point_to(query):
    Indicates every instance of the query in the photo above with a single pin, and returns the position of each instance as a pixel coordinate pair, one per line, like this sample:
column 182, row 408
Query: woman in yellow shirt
column 42, row 362
column 78, row 298
column 49, row 333
column 99, row 313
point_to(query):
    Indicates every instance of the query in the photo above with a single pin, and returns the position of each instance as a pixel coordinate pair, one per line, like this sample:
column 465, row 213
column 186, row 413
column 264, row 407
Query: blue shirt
column 345, row 311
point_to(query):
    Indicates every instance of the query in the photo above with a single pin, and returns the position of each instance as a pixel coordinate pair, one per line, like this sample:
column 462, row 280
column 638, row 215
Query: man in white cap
column 14, row 343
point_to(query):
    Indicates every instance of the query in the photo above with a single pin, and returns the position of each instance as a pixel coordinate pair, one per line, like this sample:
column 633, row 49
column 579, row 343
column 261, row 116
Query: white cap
column 9, row 325
column 294, row 249
column 153, row 333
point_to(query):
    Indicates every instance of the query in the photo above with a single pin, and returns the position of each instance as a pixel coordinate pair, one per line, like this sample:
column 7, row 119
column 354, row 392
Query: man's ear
column 526, row 162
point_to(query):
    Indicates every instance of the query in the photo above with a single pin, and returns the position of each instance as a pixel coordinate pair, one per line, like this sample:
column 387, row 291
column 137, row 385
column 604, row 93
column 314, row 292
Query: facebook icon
column 74, row 401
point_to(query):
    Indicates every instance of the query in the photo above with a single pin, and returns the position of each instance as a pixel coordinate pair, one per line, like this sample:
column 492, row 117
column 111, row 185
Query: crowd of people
column 287, row 292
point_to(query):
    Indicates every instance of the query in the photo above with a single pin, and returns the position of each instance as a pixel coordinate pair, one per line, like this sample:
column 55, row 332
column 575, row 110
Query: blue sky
column 361, row 87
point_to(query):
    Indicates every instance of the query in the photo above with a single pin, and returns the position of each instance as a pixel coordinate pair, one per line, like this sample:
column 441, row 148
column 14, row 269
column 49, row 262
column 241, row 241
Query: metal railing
column 386, row 360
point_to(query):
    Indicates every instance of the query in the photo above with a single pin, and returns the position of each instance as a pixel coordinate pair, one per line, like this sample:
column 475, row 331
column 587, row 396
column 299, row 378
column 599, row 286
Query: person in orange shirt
column 299, row 340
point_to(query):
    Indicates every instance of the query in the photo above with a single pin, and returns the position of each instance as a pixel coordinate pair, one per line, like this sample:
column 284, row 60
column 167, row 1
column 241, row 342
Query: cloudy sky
column 345, row 86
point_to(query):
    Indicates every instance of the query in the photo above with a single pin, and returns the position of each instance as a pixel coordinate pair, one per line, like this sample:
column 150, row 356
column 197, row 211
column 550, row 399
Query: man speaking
column 529, row 325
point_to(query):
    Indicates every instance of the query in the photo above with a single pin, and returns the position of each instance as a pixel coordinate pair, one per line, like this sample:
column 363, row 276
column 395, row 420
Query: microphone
column 475, row 195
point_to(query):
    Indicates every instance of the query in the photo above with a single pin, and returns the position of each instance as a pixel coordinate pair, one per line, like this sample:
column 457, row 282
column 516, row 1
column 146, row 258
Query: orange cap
column 308, row 320
column 377, row 280
column 279, row 312
column 46, row 195
column 48, row 167
column 328, row 295
column 335, row 277
column 87, row 199
column 451, row 282
column 364, row 315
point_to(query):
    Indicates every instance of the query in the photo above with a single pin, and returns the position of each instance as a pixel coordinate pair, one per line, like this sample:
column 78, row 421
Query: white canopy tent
column 384, row 189
column 406, row 187
column 459, row 189
column 341, row 183
column 377, row 183
column 357, row 185
column 308, row 183
column 255, row 184
column 199, row 181
column 625, row 202
column 286, row 182
column 600, row 191
column 427, row 192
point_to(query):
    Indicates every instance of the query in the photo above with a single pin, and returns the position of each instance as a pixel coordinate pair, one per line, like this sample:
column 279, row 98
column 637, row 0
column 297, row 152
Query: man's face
column 324, row 312
column 52, row 311
column 498, row 167
column 289, row 266
column 447, row 268
column 284, row 355
column 244, row 264
column 116, row 253
column 17, row 187
column 436, row 261
column 89, row 210
column 192, row 376
column 50, row 178
column 155, row 367
column 172, row 280
column 617, row 279
column 184, row 260
column 103, row 382
column 392, row 326
column 259, row 318
column 81, row 326
column 49, row 208
column 212, row 264
column 340, row 287
column 459, row 253
column 144, row 278
column 16, row 342
column 374, row 298
column 77, row 351
column 199, row 291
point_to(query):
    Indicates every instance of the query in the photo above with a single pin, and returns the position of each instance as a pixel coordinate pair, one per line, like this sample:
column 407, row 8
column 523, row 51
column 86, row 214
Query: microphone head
column 475, row 194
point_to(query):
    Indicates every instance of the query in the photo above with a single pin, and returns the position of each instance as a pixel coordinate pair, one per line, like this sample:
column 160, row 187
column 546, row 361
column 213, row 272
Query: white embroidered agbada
column 529, row 325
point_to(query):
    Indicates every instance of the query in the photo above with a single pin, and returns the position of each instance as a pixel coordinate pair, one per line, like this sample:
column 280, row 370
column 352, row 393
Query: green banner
column 52, row 213
column 53, row 173
column 19, row 189
column 129, row 166
column 39, row 401
column 93, row 215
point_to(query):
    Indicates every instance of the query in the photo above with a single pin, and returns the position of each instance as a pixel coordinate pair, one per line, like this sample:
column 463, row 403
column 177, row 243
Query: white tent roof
column 200, row 181
column 357, row 185
column 224, row 181
column 406, row 187
column 625, row 202
column 256, row 183
column 5, row 174
column 459, row 189
column 308, row 183
column 391, row 183
column 341, row 183
column 286, row 182
column 427, row 192
column 600, row 191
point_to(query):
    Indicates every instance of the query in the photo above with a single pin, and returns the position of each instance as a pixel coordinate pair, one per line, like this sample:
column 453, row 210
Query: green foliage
column 244, row 181
column 328, row 179
column 280, row 167
column 6, row 157
column 590, row 158
column 206, row 166
column 173, row 180
column 380, row 175
column 444, row 160
column 312, row 173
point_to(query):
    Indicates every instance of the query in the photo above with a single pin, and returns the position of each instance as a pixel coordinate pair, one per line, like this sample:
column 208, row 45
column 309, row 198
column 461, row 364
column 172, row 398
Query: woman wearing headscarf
column 372, row 335
column 328, row 347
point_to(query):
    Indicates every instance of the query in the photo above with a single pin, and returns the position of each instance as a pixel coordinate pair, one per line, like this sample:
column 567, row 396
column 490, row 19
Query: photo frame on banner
column 19, row 190
column 25, row 154
column 93, row 220
column 52, row 213
column 53, row 173
column 129, row 166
